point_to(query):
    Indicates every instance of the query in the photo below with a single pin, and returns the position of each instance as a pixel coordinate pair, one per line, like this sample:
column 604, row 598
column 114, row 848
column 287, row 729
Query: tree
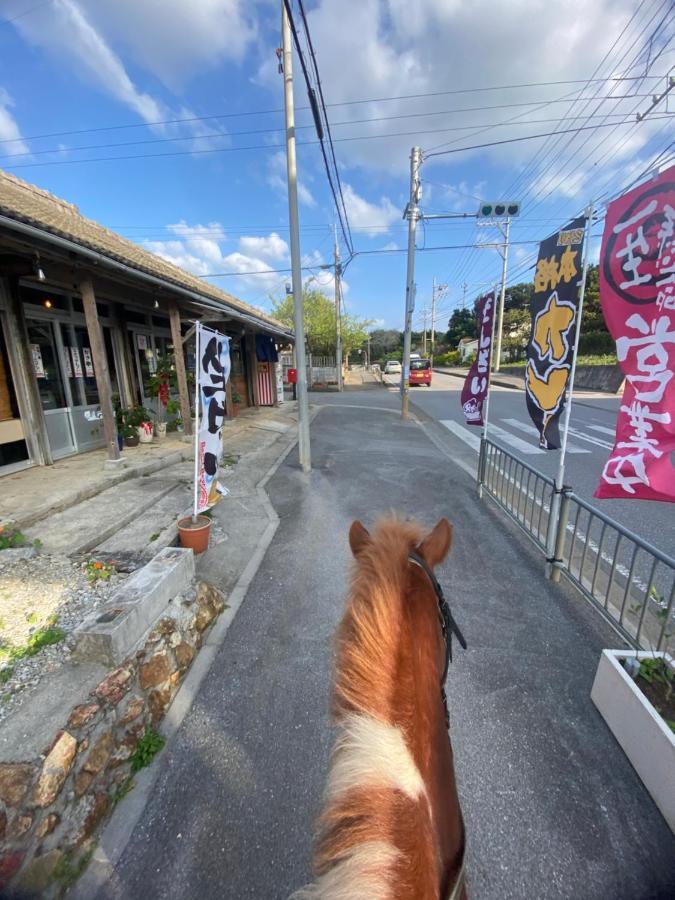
column 319, row 320
column 462, row 324
column 519, row 296
column 384, row 341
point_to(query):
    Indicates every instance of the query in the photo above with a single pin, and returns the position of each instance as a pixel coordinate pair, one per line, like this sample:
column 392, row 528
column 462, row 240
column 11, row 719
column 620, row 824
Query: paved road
column 553, row 808
column 591, row 440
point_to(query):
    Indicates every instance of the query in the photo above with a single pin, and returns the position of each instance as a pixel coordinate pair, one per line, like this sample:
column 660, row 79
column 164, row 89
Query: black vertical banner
column 554, row 312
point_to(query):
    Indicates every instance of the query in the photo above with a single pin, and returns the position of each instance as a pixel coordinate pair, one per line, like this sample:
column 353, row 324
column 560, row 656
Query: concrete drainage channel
column 69, row 756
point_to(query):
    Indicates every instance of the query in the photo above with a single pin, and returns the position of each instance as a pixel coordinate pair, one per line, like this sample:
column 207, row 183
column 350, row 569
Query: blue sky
column 79, row 65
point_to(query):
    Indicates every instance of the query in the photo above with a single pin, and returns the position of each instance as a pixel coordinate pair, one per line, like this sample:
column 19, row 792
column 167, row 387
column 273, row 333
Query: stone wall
column 52, row 806
column 592, row 378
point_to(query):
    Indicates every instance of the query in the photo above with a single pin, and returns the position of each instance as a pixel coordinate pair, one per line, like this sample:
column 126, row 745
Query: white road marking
column 513, row 441
column 591, row 440
column 473, row 440
column 610, row 431
column 530, row 429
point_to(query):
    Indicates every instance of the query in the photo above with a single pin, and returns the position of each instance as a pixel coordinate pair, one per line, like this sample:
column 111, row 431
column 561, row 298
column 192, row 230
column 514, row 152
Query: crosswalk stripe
column 530, row 429
column 516, row 442
column 473, row 440
column 591, row 440
column 610, row 431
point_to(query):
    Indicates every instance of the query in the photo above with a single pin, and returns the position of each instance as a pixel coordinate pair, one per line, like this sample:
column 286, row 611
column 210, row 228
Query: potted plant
column 193, row 532
column 162, row 382
column 634, row 692
column 141, row 420
column 130, row 435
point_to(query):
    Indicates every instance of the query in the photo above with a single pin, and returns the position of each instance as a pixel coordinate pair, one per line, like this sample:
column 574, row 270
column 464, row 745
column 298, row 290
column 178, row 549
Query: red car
column 420, row 371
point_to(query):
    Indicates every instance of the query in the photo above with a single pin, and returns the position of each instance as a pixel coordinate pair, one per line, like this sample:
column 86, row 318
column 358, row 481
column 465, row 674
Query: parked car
column 392, row 367
column 420, row 371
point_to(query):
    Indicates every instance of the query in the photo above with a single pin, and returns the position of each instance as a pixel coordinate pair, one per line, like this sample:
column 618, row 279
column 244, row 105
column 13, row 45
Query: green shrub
column 149, row 744
column 596, row 343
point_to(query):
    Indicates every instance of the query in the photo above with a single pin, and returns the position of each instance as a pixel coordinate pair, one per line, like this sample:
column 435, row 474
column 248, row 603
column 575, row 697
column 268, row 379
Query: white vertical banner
column 212, row 363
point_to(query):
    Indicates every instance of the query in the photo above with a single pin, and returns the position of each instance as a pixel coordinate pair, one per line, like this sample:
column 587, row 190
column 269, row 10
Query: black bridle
column 447, row 622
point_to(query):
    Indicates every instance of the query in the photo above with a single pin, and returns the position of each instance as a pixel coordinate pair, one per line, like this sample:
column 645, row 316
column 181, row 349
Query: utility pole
column 502, row 295
column 424, row 339
column 338, row 310
column 296, row 272
column 411, row 213
column 465, row 288
column 436, row 291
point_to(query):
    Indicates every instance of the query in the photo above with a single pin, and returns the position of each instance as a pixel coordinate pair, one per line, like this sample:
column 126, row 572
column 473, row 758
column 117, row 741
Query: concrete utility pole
column 424, row 339
column 412, row 214
column 436, row 291
column 296, row 272
column 338, row 310
column 502, row 295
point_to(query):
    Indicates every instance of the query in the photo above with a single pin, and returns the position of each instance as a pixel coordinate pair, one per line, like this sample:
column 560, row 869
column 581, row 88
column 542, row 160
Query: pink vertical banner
column 637, row 294
column 477, row 381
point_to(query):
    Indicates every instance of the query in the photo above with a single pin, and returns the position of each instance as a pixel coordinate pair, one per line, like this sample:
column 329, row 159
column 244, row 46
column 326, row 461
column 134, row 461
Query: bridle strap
column 448, row 624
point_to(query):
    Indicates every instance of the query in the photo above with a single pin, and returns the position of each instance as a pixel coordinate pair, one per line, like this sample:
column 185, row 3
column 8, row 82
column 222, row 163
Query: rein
column 447, row 621
column 448, row 628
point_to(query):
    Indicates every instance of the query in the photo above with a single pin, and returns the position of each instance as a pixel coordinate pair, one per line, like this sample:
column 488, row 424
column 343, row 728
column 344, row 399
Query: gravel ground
column 34, row 594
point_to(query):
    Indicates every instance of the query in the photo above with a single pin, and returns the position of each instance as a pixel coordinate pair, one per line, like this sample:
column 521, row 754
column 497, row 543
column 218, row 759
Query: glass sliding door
column 49, row 374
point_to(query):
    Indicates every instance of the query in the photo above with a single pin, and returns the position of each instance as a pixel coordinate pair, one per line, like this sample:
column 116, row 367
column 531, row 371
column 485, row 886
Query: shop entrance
column 64, row 370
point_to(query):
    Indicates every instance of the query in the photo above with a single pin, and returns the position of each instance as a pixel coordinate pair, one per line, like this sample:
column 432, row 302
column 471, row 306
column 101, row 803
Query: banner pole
column 196, row 479
column 560, row 477
column 580, row 310
column 486, row 407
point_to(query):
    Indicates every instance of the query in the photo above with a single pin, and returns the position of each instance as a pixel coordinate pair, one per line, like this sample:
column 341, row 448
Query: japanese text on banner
column 637, row 294
column 551, row 346
column 476, row 385
column 213, row 370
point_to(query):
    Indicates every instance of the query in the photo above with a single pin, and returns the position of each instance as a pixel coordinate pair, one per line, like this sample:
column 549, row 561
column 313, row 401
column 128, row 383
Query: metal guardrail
column 631, row 582
column 520, row 490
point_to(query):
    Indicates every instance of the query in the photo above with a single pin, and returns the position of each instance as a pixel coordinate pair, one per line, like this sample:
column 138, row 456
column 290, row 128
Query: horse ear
column 358, row 537
column 434, row 548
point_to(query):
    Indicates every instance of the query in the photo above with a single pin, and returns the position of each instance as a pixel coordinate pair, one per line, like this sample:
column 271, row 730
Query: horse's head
column 433, row 548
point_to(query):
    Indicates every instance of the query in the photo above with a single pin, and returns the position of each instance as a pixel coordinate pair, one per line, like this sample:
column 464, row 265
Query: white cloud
column 433, row 45
column 271, row 247
column 65, row 23
column 372, row 218
column 276, row 178
column 9, row 130
column 171, row 39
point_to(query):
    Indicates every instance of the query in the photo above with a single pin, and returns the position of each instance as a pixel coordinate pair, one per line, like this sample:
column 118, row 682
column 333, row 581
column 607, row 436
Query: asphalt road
column 553, row 808
column 591, row 440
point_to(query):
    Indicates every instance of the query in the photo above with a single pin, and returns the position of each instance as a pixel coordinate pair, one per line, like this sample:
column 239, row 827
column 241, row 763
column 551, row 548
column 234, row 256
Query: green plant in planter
column 136, row 415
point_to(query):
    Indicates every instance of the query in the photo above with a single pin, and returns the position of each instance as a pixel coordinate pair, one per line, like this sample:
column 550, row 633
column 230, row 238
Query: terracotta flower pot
column 194, row 535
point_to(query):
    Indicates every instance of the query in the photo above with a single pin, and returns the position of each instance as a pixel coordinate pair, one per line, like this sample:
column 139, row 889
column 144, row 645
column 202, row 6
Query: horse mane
column 377, row 828
column 368, row 637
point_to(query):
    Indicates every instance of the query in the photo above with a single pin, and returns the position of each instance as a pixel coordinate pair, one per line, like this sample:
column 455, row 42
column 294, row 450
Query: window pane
column 45, row 364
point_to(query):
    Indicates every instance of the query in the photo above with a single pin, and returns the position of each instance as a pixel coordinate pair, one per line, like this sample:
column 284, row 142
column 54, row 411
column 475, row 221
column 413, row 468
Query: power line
column 263, row 112
column 231, row 134
column 367, row 137
column 340, row 207
column 26, row 12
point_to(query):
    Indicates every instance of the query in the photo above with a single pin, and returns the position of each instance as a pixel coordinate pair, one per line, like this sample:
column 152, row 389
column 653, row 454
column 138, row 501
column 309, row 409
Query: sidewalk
column 361, row 379
column 553, row 809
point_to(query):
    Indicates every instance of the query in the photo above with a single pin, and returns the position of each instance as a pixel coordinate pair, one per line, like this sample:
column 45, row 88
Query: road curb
column 117, row 833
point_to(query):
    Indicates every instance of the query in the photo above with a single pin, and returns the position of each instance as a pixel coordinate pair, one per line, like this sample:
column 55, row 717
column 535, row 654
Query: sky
column 163, row 120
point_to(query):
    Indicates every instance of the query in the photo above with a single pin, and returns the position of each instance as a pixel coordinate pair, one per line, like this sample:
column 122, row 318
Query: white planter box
column 643, row 735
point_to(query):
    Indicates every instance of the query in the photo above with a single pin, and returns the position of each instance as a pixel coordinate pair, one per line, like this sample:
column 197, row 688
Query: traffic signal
column 499, row 210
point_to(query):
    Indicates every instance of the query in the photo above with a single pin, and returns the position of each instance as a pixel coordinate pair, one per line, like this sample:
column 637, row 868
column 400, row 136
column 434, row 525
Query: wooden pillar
column 25, row 384
column 181, row 375
column 100, row 367
column 253, row 367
